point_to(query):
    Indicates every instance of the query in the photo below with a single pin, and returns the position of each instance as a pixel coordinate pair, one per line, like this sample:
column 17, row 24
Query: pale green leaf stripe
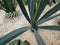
column 47, row 19
column 31, row 6
column 37, row 9
column 50, row 12
column 24, row 10
column 14, row 3
column 38, row 38
column 57, row 28
column 40, row 8
column 1, row 3
column 5, row 39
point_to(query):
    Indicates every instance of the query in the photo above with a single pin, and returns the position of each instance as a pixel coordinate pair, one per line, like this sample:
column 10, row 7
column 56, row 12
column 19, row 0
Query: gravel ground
column 8, row 25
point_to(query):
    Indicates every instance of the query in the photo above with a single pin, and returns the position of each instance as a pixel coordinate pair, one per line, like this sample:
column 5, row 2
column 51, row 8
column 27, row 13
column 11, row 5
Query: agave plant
column 15, row 42
column 35, row 10
column 9, row 6
column 49, row 1
column 19, row 42
column 53, row 1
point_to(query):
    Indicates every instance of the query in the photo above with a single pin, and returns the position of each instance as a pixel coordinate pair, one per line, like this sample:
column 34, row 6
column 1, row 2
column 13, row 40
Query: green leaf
column 50, row 2
column 50, row 12
column 38, row 38
column 15, row 42
column 8, row 5
column 25, row 43
column 25, row 2
column 57, row 1
column 14, row 3
column 4, row 5
column 47, row 19
column 24, row 10
column 40, row 7
column 6, row 2
column 50, row 27
column 1, row 3
column 32, row 7
column 5, row 39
